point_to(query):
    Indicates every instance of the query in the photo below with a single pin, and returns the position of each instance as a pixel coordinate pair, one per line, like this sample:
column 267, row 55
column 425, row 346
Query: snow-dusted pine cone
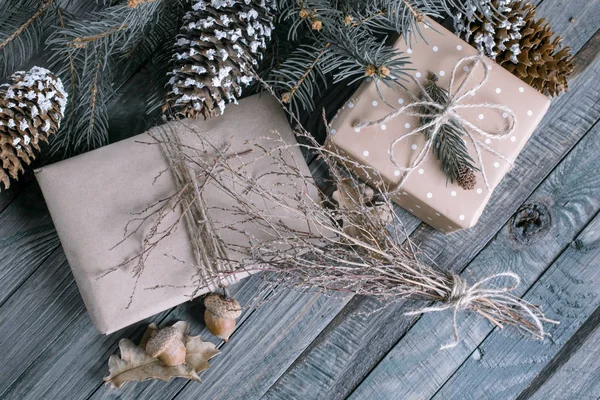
column 217, row 47
column 522, row 44
column 32, row 105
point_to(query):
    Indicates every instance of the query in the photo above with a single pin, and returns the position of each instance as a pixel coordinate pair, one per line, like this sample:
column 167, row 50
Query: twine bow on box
column 438, row 114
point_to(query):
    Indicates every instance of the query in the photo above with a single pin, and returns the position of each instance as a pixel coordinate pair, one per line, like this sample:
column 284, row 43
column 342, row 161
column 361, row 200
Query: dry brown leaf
column 135, row 365
column 357, row 200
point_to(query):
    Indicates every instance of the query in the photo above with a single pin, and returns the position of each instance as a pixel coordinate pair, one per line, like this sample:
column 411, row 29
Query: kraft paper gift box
column 91, row 198
column 426, row 192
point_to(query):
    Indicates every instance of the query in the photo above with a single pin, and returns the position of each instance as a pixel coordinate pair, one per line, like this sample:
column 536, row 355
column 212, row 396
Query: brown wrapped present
column 388, row 136
column 92, row 197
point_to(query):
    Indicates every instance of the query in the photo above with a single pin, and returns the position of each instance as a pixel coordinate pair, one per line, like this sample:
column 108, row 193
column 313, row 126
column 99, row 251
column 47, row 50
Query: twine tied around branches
column 441, row 114
column 482, row 293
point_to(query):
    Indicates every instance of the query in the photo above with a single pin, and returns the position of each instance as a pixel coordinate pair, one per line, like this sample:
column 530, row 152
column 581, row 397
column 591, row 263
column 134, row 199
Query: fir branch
column 21, row 31
column 449, row 145
column 300, row 77
column 81, row 42
column 103, row 51
column 27, row 23
column 357, row 32
column 287, row 97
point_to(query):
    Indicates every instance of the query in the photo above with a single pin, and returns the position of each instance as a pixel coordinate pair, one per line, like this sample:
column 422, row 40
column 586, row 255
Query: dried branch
column 350, row 242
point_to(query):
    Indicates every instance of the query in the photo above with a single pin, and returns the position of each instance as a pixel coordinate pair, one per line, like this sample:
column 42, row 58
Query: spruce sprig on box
column 449, row 145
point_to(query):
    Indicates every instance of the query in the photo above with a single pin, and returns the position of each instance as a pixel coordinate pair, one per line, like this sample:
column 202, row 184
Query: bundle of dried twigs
column 353, row 242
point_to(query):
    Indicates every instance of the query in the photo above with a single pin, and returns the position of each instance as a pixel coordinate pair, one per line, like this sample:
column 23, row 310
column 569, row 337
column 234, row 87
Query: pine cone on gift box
column 519, row 42
column 217, row 47
column 32, row 105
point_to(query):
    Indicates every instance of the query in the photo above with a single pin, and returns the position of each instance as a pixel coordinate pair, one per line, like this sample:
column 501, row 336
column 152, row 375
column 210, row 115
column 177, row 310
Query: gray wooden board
column 570, row 291
column 415, row 364
column 79, row 347
column 562, row 127
column 35, row 314
column 27, row 237
column 574, row 373
column 71, row 360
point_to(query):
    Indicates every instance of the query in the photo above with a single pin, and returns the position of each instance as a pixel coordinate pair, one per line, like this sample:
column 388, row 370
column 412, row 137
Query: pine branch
column 356, row 31
column 287, row 97
column 96, row 55
column 21, row 30
column 300, row 77
column 449, row 145
column 27, row 23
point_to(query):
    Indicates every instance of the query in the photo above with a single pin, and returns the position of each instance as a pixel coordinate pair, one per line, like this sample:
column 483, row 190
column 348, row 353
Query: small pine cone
column 522, row 44
column 32, row 105
column 218, row 45
column 466, row 179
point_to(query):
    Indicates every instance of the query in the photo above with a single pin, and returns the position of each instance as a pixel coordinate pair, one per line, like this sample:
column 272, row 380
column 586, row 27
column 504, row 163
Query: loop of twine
column 441, row 114
column 462, row 297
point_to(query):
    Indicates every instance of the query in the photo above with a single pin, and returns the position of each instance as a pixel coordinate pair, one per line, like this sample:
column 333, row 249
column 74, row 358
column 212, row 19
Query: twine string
column 207, row 246
column 442, row 114
column 463, row 297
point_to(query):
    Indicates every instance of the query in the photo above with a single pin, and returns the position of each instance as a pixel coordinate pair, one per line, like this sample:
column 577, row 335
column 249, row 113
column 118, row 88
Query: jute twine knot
column 459, row 291
column 463, row 296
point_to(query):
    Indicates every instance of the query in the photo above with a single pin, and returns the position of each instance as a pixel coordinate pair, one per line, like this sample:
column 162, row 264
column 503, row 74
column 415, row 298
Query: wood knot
column 530, row 223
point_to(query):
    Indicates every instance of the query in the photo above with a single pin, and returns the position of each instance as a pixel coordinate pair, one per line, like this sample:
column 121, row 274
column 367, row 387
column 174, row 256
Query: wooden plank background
column 309, row 346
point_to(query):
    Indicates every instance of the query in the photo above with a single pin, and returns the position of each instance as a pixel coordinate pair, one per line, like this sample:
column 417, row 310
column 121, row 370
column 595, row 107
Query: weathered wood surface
column 416, row 363
column 299, row 345
column 567, row 121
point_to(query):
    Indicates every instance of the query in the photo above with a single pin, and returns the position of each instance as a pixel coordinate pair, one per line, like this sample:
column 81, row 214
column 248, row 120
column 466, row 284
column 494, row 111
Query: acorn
column 166, row 345
column 220, row 315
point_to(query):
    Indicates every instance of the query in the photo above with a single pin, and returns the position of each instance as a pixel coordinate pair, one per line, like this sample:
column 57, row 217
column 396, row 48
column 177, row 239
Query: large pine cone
column 217, row 47
column 523, row 45
column 32, row 105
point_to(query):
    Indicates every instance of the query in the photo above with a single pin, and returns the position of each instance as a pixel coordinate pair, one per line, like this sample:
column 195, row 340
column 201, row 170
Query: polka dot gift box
column 400, row 143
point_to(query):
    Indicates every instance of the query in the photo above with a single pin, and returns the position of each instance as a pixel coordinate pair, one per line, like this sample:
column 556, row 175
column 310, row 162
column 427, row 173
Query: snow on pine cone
column 217, row 47
column 519, row 42
column 32, row 105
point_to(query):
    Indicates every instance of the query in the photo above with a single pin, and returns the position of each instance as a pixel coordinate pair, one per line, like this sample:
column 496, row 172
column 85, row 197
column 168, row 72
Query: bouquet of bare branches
column 352, row 240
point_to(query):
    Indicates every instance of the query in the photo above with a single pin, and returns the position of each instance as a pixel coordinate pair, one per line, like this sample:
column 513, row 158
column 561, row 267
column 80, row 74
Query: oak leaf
column 356, row 206
column 136, row 365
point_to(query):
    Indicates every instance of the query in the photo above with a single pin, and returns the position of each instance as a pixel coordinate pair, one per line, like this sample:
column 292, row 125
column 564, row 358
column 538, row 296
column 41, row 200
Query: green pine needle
column 449, row 145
